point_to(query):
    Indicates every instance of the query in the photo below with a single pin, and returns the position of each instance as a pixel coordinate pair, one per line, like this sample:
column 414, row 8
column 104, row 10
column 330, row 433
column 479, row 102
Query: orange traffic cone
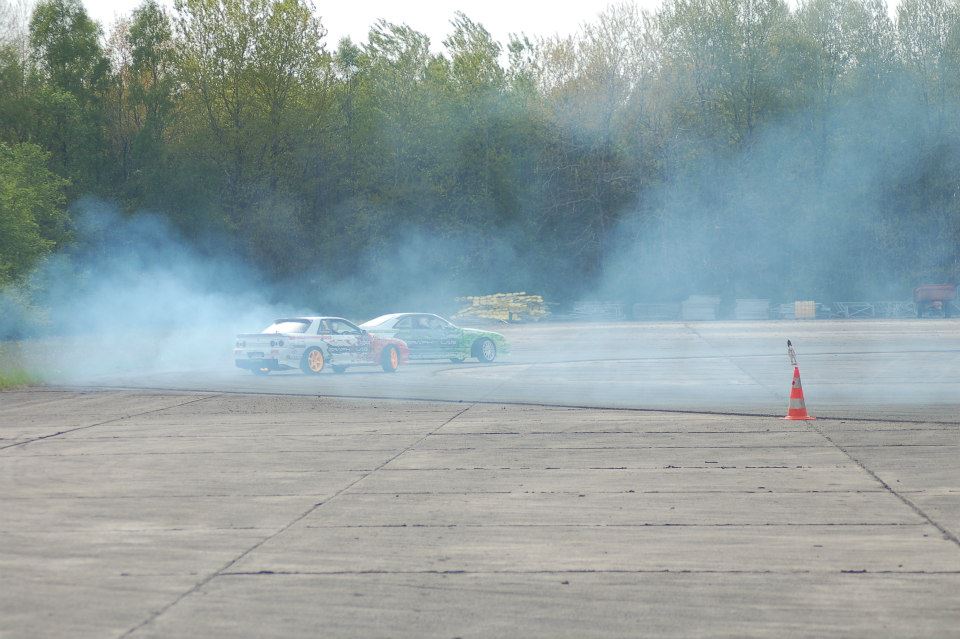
column 797, row 408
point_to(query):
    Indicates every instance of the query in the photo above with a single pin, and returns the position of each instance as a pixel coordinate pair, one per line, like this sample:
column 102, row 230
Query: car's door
column 410, row 330
column 431, row 328
column 340, row 346
column 362, row 340
column 443, row 335
column 355, row 342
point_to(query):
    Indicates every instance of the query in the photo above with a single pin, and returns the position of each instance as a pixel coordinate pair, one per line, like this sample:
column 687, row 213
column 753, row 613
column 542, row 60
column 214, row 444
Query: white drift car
column 311, row 343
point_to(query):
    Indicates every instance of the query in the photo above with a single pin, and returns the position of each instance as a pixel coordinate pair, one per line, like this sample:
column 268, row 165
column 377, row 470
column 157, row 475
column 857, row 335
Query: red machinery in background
column 933, row 300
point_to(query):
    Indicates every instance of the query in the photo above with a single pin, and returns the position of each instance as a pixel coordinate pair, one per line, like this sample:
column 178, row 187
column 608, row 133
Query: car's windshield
column 288, row 326
column 377, row 321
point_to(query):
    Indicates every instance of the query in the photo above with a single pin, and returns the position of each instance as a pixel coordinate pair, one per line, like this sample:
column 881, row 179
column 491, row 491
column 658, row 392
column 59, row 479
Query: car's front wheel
column 390, row 360
column 313, row 361
column 485, row 350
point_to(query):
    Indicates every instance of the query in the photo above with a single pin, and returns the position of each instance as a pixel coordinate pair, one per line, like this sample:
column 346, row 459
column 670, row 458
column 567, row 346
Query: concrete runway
column 204, row 501
column 901, row 369
column 164, row 514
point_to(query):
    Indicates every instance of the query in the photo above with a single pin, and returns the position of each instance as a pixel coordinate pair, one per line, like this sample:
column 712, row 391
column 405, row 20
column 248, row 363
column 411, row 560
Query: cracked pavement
column 157, row 514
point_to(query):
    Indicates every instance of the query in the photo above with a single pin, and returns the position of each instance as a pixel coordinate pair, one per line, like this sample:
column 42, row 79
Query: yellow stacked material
column 805, row 309
column 505, row 307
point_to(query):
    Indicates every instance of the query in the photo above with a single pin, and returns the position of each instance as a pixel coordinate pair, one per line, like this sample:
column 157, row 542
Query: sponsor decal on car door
column 341, row 343
column 432, row 335
column 450, row 341
column 443, row 337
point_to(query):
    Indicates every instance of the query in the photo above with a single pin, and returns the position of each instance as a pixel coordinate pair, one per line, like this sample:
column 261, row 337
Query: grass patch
column 15, row 378
column 13, row 371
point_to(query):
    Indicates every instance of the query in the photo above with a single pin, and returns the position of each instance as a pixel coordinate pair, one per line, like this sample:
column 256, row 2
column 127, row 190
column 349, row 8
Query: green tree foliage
column 247, row 65
column 66, row 43
column 32, row 218
column 709, row 146
column 73, row 75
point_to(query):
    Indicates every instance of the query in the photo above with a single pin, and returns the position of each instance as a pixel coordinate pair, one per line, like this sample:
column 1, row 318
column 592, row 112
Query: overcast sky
column 500, row 17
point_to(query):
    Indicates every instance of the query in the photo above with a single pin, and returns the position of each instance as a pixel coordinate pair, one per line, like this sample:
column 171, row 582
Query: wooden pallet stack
column 504, row 307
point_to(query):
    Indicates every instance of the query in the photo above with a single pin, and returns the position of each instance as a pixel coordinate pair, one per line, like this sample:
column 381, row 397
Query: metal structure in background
column 752, row 309
column 656, row 312
column 868, row 310
column 935, row 300
column 595, row 312
column 700, row 308
column 707, row 308
column 896, row 310
column 853, row 310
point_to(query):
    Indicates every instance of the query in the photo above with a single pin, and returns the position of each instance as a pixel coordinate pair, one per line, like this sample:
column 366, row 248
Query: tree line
column 734, row 147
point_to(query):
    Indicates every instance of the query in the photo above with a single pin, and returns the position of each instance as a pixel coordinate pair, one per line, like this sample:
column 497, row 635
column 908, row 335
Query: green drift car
column 432, row 337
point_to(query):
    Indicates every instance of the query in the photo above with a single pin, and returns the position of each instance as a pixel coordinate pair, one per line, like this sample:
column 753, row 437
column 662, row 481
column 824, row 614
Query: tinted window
column 435, row 323
column 288, row 326
column 342, row 327
column 421, row 322
column 404, row 323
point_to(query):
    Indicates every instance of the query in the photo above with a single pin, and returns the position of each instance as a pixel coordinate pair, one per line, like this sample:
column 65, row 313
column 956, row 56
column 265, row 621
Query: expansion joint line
column 225, row 569
column 733, row 361
column 108, row 421
column 947, row 534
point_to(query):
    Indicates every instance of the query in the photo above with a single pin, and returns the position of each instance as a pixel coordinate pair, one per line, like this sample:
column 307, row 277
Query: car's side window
column 404, row 323
column 324, row 328
column 340, row 327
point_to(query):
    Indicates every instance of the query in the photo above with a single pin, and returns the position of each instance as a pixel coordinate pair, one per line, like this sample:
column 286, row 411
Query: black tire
column 486, row 350
column 390, row 359
column 313, row 361
column 260, row 372
column 339, row 368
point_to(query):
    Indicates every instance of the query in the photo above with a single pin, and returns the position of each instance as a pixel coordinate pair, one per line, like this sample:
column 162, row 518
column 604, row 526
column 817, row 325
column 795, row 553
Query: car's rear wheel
column 313, row 361
column 339, row 368
column 485, row 350
column 390, row 360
